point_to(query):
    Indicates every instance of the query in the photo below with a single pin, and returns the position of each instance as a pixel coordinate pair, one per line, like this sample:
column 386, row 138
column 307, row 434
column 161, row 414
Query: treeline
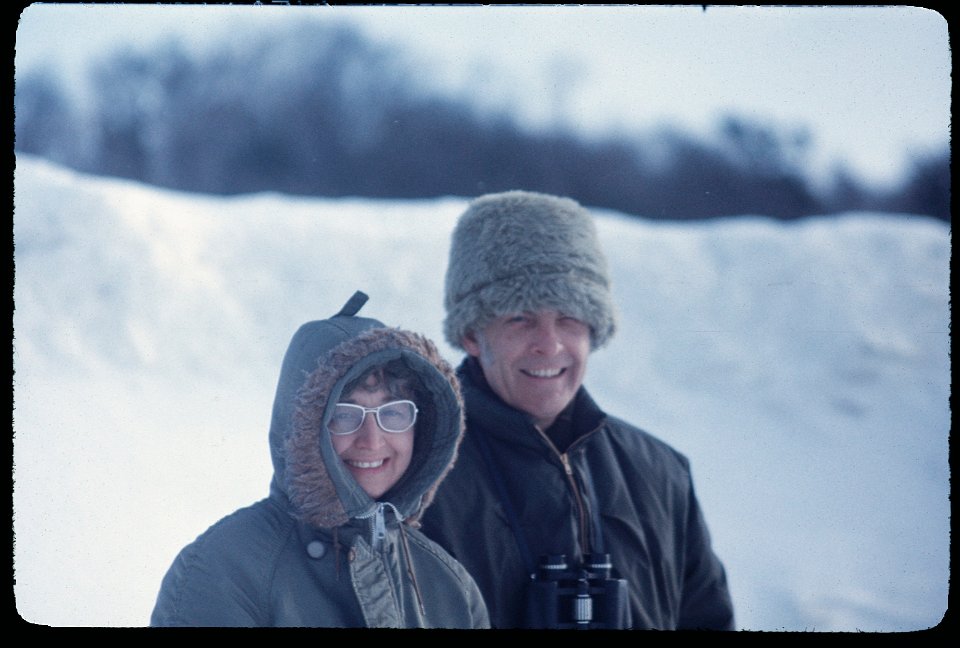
column 317, row 110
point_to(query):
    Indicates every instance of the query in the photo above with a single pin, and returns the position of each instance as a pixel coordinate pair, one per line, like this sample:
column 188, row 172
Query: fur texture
column 309, row 484
column 521, row 251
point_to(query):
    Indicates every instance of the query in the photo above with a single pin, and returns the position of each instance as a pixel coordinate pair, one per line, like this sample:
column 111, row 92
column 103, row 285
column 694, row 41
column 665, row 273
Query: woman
column 359, row 447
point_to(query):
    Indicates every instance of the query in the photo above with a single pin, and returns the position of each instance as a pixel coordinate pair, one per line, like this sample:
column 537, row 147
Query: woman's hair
column 394, row 377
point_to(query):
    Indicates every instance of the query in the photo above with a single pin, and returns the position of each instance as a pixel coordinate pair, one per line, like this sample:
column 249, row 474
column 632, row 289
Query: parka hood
column 323, row 357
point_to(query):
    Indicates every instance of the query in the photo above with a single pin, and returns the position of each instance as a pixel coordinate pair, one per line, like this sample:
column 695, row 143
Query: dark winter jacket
column 318, row 551
column 615, row 489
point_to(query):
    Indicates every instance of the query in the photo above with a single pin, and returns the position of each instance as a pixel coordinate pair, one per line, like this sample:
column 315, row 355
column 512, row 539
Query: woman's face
column 376, row 459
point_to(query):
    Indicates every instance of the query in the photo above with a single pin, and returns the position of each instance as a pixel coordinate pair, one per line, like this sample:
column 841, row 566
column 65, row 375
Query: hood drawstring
column 336, row 552
column 410, row 570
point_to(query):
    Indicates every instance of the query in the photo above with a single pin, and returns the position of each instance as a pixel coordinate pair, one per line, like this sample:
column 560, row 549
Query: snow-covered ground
column 803, row 367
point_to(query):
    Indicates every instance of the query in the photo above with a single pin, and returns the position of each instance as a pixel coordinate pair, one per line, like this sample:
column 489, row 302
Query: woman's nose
column 369, row 435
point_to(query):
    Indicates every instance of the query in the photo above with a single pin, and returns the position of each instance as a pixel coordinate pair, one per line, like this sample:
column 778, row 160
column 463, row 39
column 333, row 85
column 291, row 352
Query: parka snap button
column 316, row 549
column 352, row 555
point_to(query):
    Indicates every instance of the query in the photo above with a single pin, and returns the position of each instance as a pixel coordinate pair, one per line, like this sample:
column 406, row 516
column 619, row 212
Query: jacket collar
column 486, row 410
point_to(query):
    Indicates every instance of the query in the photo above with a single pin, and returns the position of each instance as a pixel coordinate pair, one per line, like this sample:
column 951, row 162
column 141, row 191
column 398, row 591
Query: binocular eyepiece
column 583, row 596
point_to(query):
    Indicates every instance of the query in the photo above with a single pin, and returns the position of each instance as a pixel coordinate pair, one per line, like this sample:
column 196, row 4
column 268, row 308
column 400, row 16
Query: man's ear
column 470, row 344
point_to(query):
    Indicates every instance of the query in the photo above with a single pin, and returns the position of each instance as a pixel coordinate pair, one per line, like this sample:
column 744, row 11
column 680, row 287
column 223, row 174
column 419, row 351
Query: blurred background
column 670, row 112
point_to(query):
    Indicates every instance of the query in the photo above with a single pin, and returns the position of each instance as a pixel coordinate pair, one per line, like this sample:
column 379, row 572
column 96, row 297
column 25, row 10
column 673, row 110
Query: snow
column 803, row 367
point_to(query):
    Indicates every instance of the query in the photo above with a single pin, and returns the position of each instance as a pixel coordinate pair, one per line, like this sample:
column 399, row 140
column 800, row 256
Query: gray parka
column 318, row 551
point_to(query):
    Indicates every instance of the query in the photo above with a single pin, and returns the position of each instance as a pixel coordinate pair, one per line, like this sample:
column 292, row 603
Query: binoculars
column 583, row 596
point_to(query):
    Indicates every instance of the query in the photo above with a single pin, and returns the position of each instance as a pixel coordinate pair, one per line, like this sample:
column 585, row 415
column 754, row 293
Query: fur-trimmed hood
column 322, row 358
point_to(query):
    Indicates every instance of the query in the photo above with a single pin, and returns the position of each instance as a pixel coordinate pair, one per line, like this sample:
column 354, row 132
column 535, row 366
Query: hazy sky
column 872, row 84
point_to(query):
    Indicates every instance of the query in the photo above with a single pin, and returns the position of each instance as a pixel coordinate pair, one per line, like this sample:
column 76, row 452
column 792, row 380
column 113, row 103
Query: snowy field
column 803, row 367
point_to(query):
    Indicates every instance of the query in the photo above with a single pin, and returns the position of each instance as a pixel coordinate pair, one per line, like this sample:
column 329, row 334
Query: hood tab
column 353, row 305
column 310, row 342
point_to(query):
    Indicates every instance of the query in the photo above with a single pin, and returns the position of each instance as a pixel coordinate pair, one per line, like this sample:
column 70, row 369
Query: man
column 542, row 470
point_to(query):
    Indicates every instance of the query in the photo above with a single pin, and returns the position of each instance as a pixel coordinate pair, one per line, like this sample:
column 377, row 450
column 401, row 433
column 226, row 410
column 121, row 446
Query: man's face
column 533, row 361
column 376, row 458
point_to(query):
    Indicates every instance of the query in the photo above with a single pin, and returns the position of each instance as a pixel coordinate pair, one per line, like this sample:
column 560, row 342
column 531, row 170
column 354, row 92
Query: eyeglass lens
column 396, row 416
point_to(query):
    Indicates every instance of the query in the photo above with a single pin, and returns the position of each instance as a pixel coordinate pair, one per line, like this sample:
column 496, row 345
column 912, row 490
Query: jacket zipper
column 577, row 495
column 378, row 525
column 584, row 533
column 378, row 532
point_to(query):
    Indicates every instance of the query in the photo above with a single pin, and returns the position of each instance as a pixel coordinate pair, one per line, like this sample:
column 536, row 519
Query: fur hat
column 520, row 251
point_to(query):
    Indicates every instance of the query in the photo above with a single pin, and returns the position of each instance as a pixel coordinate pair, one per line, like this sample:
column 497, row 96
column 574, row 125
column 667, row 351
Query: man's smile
column 542, row 373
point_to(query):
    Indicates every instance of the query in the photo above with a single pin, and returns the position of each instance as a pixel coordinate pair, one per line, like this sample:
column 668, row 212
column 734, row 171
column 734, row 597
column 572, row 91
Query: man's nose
column 547, row 339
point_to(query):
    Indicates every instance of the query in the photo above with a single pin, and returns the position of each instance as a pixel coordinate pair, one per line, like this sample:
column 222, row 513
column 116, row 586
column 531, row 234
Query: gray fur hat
column 520, row 251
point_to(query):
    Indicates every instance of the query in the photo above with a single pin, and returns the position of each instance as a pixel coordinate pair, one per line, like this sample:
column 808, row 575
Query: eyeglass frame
column 376, row 416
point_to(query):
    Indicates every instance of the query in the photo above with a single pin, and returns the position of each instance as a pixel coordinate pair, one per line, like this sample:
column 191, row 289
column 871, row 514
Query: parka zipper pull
column 379, row 528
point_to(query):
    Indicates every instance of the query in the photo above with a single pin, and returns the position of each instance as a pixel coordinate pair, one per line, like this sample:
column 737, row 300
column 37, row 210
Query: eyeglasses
column 394, row 417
